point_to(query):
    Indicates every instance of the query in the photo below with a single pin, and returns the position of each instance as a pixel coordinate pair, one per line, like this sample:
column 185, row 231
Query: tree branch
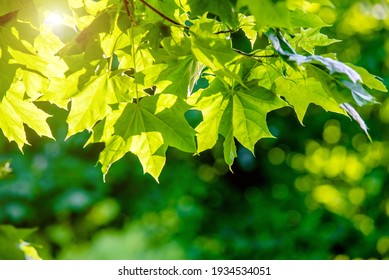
column 253, row 56
column 175, row 22
column 163, row 15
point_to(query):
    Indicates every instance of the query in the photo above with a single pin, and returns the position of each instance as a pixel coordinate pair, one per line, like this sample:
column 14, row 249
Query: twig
column 127, row 9
column 253, row 55
column 175, row 22
column 163, row 15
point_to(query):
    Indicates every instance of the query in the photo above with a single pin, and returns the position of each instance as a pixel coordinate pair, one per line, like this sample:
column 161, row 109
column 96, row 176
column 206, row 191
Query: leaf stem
column 254, row 56
column 225, row 31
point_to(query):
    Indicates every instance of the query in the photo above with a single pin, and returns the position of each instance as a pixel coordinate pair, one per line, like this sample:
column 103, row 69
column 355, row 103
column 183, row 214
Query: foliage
column 130, row 72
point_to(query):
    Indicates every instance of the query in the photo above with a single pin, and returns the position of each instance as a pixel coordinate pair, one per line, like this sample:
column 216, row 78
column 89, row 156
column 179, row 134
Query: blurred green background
column 316, row 192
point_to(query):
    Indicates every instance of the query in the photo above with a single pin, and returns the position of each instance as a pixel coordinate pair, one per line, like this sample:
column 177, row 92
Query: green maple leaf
column 300, row 92
column 215, row 51
column 8, row 41
column 60, row 91
column 49, row 68
column 299, row 18
column 265, row 74
column 239, row 113
column 101, row 24
column 178, row 43
column 224, row 9
column 146, row 129
column 91, row 104
column 34, row 83
column 310, row 38
column 171, row 9
column 179, row 77
column 339, row 71
column 268, row 13
column 15, row 112
column 212, row 102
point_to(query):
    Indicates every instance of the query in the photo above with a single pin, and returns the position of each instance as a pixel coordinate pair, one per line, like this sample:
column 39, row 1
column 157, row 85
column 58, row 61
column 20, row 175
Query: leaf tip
column 155, row 176
column 105, row 170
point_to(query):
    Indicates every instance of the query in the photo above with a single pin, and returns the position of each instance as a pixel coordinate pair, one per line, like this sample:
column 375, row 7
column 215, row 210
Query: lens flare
column 54, row 19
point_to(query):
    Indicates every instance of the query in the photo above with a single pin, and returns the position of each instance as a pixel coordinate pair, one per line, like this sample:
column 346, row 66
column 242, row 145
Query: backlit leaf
column 300, row 18
column 15, row 112
column 237, row 114
column 268, row 13
column 214, row 51
column 146, row 129
column 265, row 75
column 301, row 91
column 311, row 38
column 225, row 10
column 90, row 105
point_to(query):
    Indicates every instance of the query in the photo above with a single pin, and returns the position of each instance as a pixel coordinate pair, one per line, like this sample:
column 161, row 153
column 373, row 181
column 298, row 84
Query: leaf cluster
column 129, row 71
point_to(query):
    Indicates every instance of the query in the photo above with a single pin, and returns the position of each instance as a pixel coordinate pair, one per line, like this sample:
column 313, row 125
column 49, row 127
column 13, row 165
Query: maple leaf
column 268, row 13
column 299, row 18
column 176, row 77
column 224, row 9
column 265, row 75
column 310, row 38
column 90, row 104
column 15, row 112
column 8, row 41
column 146, row 129
column 302, row 91
column 234, row 113
column 213, row 50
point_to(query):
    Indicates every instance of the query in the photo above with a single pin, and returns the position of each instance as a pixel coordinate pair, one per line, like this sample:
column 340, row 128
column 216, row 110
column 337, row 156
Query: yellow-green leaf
column 15, row 112
column 300, row 92
column 90, row 104
column 239, row 114
column 145, row 129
